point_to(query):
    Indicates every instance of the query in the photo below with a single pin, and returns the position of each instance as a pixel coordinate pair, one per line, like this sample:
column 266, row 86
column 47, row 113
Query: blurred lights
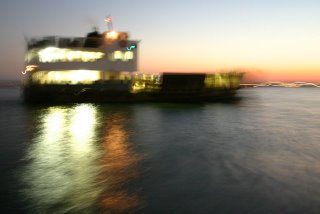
column 68, row 76
column 52, row 54
column 81, row 127
column 54, row 123
column 229, row 80
column 148, row 82
column 29, row 68
column 63, row 161
column 120, row 165
column 112, row 35
column 83, row 124
column 123, row 56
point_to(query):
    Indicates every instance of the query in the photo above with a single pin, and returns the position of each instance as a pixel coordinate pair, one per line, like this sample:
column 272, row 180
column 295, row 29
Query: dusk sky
column 273, row 40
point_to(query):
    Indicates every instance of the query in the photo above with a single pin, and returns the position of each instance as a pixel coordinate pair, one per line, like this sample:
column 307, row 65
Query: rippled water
column 259, row 154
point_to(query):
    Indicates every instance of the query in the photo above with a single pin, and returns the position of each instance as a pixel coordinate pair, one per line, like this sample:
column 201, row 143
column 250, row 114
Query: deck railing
column 64, row 42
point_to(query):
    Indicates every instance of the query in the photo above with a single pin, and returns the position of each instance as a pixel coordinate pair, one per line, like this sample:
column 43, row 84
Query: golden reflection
column 82, row 125
column 61, row 174
column 68, row 171
column 119, row 166
column 53, row 124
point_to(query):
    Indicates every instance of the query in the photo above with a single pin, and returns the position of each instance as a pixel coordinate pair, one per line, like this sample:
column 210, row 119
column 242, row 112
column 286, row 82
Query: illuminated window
column 52, row 54
column 123, row 56
column 117, row 55
column 67, row 77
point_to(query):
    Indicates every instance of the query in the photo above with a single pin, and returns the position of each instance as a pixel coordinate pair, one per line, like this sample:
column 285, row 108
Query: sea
column 259, row 153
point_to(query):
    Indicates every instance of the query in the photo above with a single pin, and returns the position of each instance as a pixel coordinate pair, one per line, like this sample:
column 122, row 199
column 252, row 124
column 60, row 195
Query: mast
column 108, row 20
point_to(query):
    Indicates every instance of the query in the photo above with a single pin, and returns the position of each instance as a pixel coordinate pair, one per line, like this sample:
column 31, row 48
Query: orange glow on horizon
column 283, row 76
column 285, row 71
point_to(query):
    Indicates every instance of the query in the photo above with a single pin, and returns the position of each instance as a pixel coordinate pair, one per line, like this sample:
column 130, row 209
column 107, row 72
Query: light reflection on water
column 258, row 155
column 118, row 165
column 70, row 170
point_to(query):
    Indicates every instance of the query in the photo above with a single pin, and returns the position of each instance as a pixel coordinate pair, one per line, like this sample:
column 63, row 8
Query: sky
column 270, row 40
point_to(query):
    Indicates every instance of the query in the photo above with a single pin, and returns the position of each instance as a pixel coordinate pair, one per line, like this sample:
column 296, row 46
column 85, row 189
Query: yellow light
column 128, row 55
column 82, row 76
column 52, row 54
column 123, row 56
column 67, row 77
column 112, row 35
column 117, row 55
column 47, row 54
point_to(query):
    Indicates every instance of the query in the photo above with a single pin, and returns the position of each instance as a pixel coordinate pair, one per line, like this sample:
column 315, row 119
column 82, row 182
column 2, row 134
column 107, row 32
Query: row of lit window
column 77, row 76
column 52, row 54
column 69, row 77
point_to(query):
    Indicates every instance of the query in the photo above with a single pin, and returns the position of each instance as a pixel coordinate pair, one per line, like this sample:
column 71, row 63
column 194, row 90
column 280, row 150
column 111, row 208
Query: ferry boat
column 103, row 67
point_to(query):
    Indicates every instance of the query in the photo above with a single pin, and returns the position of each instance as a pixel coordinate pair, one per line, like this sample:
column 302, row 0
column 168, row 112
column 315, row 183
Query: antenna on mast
column 108, row 20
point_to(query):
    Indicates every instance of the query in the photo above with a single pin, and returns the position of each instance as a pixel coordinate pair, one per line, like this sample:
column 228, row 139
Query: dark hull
column 97, row 93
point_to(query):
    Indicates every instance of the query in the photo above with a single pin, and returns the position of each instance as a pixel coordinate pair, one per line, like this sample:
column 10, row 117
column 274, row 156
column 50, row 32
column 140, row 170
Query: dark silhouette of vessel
column 102, row 67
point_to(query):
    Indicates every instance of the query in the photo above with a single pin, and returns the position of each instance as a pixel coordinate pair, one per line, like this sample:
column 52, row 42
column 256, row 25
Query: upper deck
column 109, row 51
column 92, row 40
column 63, row 42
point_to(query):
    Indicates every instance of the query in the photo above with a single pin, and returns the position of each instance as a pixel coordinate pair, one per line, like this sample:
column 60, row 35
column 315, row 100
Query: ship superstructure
column 102, row 67
column 97, row 57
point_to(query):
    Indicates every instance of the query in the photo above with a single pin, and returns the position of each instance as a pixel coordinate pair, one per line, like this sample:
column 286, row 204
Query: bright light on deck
column 112, row 35
column 67, row 77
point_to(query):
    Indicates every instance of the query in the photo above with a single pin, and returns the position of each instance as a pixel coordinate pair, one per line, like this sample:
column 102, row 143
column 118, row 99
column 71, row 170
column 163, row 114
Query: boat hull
column 98, row 93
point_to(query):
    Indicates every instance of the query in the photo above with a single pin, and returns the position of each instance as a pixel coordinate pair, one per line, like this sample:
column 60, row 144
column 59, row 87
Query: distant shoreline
column 281, row 84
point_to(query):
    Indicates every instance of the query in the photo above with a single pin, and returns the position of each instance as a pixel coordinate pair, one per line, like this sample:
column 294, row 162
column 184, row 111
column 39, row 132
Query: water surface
column 259, row 154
